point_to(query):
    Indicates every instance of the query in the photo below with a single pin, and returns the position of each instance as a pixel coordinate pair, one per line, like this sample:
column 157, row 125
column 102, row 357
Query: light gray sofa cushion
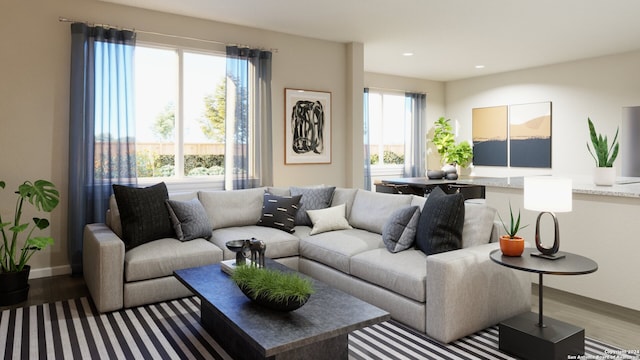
column 371, row 210
column 335, row 248
column 344, row 196
column 478, row 223
column 232, row 208
column 279, row 243
column 403, row 273
column 161, row 257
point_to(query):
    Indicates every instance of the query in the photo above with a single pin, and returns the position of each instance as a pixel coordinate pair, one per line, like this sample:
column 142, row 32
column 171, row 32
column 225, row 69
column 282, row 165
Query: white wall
column 599, row 227
column 435, row 105
column 34, row 94
column 596, row 88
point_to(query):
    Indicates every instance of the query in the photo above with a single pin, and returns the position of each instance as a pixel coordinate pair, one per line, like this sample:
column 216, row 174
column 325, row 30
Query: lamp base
column 556, row 256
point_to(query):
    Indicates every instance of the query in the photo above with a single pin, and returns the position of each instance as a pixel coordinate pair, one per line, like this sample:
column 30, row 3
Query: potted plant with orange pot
column 511, row 244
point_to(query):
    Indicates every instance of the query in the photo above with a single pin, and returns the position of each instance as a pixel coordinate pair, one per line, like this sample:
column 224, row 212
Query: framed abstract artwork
column 490, row 136
column 530, row 135
column 307, row 127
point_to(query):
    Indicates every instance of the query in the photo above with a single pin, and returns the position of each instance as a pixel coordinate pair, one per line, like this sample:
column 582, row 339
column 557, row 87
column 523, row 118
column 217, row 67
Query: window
column 180, row 112
column 387, row 123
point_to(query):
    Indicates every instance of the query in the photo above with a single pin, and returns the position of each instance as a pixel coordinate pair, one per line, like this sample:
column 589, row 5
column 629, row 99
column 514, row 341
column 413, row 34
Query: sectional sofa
column 348, row 238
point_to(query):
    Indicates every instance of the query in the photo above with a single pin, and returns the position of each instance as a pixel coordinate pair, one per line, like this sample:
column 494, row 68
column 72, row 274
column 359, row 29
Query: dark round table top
column 571, row 264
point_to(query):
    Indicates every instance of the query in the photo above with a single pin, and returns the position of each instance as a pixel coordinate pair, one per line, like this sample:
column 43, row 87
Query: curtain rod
column 64, row 19
column 396, row 90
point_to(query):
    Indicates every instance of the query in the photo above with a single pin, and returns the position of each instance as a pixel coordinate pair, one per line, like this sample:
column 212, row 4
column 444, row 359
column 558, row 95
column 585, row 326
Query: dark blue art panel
column 490, row 153
column 531, row 153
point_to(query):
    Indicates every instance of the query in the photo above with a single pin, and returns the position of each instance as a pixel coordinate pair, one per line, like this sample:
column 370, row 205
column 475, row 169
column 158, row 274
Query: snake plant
column 602, row 153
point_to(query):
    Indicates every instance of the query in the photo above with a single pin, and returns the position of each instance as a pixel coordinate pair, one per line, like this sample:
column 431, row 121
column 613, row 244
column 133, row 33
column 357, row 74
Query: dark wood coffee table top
column 328, row 313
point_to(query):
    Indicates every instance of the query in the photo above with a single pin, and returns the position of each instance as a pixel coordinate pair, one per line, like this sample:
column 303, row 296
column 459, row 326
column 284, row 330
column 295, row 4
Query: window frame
column 182, row 183
column 386, row 169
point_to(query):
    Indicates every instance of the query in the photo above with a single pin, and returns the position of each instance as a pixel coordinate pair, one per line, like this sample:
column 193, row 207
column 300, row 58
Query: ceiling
column 447, row 37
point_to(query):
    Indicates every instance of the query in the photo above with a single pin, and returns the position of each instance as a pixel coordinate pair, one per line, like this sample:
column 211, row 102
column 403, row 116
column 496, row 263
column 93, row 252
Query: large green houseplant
column 16, row 250
column 444, row 140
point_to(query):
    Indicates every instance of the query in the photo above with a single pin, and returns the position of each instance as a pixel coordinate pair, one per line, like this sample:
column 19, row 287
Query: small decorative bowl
column 238, row 247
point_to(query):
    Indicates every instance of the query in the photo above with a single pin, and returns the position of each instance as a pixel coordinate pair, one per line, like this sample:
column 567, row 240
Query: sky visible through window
column 387, row 121
column 156, row 89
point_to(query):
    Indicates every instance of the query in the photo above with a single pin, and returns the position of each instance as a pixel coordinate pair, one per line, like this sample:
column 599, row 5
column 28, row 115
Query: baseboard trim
column 49, row 271
column 594, row 305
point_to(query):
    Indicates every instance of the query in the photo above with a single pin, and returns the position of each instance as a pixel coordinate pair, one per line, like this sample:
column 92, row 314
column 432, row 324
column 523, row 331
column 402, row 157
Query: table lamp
column 549, row 195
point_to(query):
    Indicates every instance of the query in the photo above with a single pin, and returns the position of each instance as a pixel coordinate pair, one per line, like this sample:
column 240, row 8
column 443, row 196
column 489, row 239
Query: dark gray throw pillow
column 441, row 222
column 279, row 212
column 189, row 219
column 399, row 232
column 143, row 214
column 313, row 198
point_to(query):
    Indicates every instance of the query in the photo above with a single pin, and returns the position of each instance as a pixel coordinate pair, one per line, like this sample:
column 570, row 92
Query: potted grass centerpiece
column 272, row 288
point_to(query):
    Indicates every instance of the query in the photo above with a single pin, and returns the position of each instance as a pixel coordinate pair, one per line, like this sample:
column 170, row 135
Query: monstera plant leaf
column 42, row 194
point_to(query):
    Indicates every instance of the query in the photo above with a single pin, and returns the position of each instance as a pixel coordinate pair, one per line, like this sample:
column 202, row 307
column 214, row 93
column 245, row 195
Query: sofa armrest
column 467, row 292
column 103, row 266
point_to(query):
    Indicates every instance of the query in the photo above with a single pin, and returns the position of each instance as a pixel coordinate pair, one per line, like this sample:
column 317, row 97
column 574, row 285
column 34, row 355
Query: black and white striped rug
column 73, row 329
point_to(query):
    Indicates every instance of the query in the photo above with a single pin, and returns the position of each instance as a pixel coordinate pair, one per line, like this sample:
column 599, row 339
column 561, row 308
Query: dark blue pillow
column 441, row 222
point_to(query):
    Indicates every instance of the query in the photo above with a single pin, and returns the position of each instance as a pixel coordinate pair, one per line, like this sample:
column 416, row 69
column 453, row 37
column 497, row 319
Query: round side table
column 547, row 338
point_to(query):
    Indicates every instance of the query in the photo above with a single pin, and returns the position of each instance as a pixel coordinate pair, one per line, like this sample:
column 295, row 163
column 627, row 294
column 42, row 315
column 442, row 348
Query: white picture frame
column 307, row 127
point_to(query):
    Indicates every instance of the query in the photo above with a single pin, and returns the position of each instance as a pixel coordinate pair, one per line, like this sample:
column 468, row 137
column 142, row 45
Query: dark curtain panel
column 415, row 148
column 367, row 150
column 248, row 159
column 101, row 126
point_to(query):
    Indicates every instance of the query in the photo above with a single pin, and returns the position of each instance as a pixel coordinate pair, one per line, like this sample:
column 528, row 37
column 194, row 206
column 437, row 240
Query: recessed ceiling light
column 479, row 66
column 407, row 54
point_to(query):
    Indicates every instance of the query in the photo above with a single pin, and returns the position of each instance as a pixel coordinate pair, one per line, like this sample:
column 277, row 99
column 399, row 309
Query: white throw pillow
column 328, row 219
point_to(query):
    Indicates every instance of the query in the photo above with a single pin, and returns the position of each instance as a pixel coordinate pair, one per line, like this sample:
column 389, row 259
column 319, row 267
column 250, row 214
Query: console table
column 532, row 336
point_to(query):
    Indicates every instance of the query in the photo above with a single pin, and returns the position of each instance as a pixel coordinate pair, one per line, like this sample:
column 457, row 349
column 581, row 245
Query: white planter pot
column 604, row 176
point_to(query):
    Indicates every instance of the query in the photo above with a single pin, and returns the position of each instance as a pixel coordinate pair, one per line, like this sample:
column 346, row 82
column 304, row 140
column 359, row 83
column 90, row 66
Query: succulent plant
column 514, row 227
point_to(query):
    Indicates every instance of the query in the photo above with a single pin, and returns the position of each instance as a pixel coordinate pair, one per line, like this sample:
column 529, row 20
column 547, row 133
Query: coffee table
column 319, row 329
column 532, row 336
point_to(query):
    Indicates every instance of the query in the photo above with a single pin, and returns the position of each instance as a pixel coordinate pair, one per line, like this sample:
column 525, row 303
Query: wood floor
column 609, row 323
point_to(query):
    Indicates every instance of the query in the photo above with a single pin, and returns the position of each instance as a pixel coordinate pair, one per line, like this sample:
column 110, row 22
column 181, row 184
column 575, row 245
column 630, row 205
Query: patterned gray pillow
column 189, row 219
column 399, row 232
column 313, row 198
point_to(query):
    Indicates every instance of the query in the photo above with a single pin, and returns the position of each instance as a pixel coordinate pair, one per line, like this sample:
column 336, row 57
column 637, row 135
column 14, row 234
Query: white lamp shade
column 547, row 193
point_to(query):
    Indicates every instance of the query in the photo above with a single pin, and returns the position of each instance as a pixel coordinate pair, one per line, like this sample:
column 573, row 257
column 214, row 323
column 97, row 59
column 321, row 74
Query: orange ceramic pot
column 511, row 247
